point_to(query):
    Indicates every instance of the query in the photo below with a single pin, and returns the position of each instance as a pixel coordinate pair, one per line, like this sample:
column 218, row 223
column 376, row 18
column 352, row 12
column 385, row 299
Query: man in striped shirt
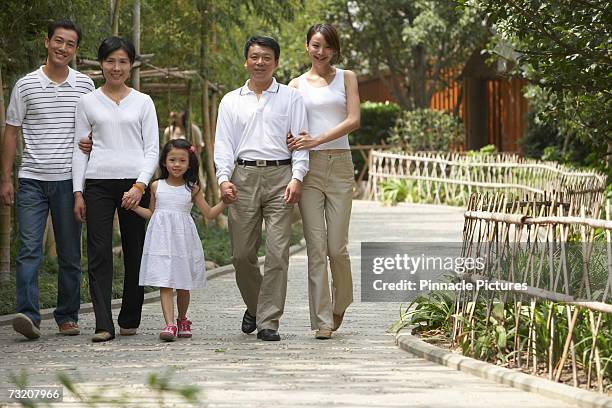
column 43, row 104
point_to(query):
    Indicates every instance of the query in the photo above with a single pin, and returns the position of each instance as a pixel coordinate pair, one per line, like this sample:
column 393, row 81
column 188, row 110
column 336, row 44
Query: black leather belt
column 263, row 163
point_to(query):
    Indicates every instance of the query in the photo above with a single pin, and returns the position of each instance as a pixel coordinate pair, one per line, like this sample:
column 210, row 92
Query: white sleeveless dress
column 172, row 255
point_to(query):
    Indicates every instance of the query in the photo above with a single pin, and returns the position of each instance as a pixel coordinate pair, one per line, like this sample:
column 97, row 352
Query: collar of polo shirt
column 45, row 81
column 273, row 88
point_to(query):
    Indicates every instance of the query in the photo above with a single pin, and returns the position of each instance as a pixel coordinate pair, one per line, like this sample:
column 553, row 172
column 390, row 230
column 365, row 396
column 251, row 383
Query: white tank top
column 326, row 107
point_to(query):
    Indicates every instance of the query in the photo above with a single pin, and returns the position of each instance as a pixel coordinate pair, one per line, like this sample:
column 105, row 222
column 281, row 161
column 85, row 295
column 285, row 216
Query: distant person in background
column 331, row 97
column 177, row 128
column 114, row 176
column 42, row 104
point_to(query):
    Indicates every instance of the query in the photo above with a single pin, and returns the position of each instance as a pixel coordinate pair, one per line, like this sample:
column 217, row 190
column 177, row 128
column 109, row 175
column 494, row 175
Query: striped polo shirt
column 45, row 112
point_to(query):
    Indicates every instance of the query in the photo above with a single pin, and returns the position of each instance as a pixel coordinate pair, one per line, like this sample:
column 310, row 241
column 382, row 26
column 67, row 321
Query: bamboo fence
column 537, row 224
column 564, row 259
column 442, row 178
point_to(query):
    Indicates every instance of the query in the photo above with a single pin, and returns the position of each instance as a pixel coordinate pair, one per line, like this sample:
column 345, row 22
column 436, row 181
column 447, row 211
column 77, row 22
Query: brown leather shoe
column 69, row 329
column 323, row 334
column 102, row 336
column 127, row 332
column 338, row 321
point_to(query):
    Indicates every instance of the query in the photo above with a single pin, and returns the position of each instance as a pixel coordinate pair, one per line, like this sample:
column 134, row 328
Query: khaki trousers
column 260, row 197
column 327, row 195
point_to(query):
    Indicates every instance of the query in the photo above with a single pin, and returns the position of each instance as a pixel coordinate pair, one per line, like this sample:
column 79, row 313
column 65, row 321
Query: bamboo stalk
column 566, row 346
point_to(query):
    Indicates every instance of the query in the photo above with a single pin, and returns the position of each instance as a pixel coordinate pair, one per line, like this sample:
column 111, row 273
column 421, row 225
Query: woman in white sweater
column 331, row 97
column 114, row 176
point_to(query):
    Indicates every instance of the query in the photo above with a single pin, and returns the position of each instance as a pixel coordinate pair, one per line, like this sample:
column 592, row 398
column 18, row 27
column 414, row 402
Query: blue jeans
column 35, row 199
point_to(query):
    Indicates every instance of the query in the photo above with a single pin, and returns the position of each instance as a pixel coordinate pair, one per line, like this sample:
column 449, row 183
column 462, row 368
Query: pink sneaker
column 184, row 328
column 168, row 333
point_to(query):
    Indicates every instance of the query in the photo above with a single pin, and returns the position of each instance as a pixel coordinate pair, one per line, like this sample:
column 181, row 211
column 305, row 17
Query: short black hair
column 262, row 41
column 112, row 44
column 66, row 24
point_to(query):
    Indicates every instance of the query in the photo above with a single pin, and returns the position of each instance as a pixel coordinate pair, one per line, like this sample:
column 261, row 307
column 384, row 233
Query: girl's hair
column 191, row 175
column 112, row 44
column 331, row 38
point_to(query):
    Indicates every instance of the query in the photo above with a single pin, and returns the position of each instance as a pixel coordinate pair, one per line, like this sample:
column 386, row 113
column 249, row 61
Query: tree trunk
column 476, row 109
column 116, row 6
column 50, row 249
column 213, row 114
column 5, row 210
column 136, row 41
column 418, row 78
column 205, row 11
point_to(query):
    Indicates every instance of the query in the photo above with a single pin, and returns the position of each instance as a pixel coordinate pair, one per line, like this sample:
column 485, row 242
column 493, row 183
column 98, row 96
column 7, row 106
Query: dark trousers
column 102, row 197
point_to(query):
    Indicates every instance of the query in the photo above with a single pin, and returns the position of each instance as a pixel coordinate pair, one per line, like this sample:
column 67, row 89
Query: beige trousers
column 260, row 197
column 327, row 195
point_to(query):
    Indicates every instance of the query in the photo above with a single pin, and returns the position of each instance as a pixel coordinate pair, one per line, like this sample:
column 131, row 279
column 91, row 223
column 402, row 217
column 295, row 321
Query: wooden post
column 475, row 98
column 204, row 7
column 136, row 41
column 5, row 210
column 188, row 121
column 213, row 114
column 116, row 4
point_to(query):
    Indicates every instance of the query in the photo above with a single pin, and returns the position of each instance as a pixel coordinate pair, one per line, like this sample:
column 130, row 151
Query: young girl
column 173, row 257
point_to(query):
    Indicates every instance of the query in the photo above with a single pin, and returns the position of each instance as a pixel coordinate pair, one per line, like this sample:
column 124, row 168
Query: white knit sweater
column 125, row 138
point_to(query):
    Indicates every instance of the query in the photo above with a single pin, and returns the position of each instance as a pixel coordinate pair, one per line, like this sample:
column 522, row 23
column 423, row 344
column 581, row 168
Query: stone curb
column 522, row 381
column 150, row 297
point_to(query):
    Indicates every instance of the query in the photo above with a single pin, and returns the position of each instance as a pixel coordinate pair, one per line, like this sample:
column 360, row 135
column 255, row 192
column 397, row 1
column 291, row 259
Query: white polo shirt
column 45, row 112
column 252, row 129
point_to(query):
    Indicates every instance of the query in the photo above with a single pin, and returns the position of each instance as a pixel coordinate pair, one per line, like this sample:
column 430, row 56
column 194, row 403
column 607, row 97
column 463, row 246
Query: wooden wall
column 505, row 107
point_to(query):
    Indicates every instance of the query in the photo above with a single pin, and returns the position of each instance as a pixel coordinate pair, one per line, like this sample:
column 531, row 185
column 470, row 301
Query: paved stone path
column 360, row 367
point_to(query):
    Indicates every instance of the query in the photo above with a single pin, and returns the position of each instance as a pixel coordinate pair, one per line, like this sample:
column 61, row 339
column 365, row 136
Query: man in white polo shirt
column 262, row 180
column 43, row 104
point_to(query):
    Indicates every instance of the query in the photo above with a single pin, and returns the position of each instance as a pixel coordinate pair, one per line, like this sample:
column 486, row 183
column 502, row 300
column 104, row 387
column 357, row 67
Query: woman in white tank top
column 331, row 97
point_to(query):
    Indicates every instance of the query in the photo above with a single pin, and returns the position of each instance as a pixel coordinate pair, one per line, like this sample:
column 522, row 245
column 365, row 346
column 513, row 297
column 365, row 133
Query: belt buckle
column 260, row 163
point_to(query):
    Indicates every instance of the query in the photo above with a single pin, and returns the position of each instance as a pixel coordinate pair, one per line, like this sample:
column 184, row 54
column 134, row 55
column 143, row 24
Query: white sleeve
column 150, row 136
column 82, row 129
column 16, row 110
column 224, row 143
column 299, row 123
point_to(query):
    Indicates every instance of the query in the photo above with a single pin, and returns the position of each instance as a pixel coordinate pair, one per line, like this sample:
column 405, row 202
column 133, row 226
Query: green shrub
column 427, row 130
column 395, row 191
column 377, row 119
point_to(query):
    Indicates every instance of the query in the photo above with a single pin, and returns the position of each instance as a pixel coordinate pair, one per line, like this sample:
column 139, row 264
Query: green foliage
column 538, row 137
column 427, row 130
column 395, row 191
column 494, row 333
column 23, row 27
column 564, row 48
column 556, row 139
column 484, row 151
column 377, row 119
column 411, row 41
column 430, row 312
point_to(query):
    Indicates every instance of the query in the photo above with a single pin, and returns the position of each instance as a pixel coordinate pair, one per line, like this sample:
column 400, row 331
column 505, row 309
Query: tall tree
column 408, row 44
column 563, row 48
